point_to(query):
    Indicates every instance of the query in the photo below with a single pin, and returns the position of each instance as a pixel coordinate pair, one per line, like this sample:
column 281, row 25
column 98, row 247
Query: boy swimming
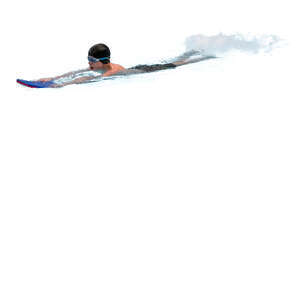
column 99, row 61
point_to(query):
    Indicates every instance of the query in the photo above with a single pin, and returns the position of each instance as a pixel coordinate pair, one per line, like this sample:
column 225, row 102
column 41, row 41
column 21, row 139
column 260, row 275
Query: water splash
column 220, row 44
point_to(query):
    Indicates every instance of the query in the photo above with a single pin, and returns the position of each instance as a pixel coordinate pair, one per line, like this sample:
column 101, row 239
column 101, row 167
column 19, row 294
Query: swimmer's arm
column 71, row 73
column 84, row 79
column 76, row 81
column 63, row 75
column 87, row 78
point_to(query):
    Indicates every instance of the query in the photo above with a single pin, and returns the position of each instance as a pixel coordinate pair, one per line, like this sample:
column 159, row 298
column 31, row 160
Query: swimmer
column 99, row 61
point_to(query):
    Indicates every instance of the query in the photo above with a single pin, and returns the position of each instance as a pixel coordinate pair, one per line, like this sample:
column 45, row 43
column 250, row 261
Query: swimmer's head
column 99, row 53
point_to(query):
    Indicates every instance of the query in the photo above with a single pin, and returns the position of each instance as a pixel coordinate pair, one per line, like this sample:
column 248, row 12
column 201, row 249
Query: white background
column 182, row 184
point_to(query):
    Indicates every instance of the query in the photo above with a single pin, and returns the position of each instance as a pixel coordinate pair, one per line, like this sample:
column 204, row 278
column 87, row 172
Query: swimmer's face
column 96, row 65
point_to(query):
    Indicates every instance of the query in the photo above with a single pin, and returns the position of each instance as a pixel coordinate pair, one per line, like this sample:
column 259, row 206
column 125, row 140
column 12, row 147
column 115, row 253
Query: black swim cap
column 100, row 51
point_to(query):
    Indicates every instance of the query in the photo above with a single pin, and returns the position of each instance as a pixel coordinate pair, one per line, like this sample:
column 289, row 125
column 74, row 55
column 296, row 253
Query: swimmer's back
column 153, row 68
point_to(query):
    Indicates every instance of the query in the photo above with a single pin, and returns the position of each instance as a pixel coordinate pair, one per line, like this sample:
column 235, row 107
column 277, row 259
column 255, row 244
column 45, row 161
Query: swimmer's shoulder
column 119, row 67
column 116, row 69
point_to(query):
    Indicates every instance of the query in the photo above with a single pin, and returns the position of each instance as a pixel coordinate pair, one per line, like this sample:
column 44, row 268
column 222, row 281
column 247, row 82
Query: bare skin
column 109, row 70
column 112, row 69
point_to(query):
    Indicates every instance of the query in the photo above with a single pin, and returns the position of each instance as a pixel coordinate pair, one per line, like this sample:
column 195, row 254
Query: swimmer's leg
column 193, row 60
column 188, row 54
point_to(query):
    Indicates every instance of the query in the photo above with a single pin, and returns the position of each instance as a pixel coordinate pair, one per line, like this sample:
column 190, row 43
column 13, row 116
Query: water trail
column 220, row 44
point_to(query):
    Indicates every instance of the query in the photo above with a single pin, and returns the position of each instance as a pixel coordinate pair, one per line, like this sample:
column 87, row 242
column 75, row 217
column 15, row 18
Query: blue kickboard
column 35, row 84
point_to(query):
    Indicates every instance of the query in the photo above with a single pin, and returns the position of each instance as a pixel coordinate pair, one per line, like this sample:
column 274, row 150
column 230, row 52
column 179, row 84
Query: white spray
column 220, row 44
